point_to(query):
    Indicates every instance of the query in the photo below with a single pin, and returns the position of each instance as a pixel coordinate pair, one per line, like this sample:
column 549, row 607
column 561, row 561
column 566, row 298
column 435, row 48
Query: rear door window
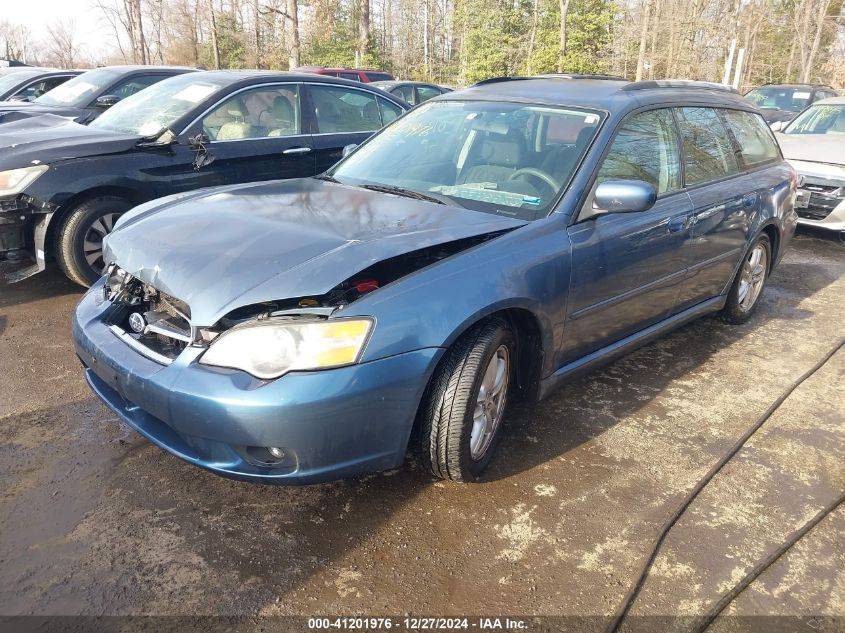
column 406, row 93
column 645, row 148
column 427, row 92
column 389, row 111
column 352, row 76
column 708, row 151
column 753, row 136
column 378, row 76
column 345, row 110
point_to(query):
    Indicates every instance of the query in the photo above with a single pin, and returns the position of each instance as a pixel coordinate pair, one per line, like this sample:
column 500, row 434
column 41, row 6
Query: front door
column 253, row 135
column 627, row 268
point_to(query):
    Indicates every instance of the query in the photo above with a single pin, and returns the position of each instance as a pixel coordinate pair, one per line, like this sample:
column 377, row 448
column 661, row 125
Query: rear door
column 627, row 268
column 724, row 201
column 254, row 134
column 344, row 115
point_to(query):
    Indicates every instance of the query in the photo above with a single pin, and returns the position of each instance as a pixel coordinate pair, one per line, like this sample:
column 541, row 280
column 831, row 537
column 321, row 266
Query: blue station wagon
column 486, row 246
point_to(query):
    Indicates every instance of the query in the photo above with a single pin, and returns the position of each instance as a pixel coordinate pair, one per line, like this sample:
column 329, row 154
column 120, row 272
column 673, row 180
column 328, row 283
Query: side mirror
column 348, row 149
column 624, row 196
column 106, row 101
column 777, row 126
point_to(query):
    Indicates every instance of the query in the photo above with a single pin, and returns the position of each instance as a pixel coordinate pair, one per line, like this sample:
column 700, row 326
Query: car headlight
column 268, row 349
column 14, row 181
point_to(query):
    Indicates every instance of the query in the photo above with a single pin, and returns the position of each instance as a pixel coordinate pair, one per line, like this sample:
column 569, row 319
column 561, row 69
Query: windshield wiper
column 327, row 178
column 408, row 193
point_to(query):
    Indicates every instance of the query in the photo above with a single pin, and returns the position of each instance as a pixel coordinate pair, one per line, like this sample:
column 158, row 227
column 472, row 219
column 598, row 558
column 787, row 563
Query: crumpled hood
column 49, row 138
column 223, row 248
column 813, row 148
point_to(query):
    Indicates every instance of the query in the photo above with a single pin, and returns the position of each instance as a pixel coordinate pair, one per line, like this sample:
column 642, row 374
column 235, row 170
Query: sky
column 91, row 27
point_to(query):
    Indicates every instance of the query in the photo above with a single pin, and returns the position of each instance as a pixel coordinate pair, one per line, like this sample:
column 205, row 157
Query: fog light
column 276, row 452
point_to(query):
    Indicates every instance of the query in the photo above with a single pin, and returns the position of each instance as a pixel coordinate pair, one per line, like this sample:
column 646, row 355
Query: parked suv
column 364, row 75
column 63, row 185
column 780, row 103
column 490, row 244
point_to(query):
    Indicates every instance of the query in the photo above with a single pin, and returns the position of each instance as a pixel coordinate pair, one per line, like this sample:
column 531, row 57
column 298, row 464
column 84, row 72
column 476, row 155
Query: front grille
column 151, row 322
column 823, row 200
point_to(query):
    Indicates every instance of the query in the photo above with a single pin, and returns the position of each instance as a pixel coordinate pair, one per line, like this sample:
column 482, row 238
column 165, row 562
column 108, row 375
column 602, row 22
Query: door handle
column 677, row 224
column 297, row 150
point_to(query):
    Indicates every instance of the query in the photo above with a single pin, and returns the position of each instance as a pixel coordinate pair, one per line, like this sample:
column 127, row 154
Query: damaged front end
column 159, row 326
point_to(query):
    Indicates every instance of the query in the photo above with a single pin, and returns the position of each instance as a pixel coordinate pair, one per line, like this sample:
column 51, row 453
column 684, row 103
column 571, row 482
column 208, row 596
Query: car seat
column 559, row 161
column 236, row 128
column 494, row 158
column 285, row 117
column 371, row 115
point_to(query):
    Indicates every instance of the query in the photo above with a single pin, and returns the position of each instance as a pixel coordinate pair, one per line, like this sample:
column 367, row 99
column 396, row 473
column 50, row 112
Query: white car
column 814, row 143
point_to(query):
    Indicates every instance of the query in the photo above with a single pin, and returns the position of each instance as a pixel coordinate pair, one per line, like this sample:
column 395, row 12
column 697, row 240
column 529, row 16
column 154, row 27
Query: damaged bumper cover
column 23, row 229
column 325, row 424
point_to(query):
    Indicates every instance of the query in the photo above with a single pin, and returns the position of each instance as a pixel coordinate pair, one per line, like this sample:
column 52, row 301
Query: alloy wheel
column 490, row 402
column 753, row 277
column 92, row 246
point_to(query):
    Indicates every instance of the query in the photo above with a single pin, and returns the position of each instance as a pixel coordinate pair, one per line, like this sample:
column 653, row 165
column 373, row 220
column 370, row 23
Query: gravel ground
column 94, row 520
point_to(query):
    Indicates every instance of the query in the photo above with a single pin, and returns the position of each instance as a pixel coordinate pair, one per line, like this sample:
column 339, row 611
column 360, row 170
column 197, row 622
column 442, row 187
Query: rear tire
column 462, row 410
column 749, row 282
column 79, row 244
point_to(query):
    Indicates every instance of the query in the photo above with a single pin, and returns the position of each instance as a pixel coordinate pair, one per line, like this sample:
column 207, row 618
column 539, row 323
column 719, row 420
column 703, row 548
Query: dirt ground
column 95, row 520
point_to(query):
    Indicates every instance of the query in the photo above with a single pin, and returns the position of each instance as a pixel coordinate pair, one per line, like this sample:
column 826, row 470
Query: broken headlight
column 270, row 348
column 14, row 181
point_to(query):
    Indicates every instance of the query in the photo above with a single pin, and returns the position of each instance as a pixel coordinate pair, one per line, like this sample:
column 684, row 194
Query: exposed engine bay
column 160, row 327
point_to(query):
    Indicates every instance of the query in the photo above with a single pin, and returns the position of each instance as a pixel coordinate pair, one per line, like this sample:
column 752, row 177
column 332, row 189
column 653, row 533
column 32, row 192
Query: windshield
column 505, row 158
column 819, row 119
column 79, row 91
column 12, row 80
column 154, row 109
column 789, row 99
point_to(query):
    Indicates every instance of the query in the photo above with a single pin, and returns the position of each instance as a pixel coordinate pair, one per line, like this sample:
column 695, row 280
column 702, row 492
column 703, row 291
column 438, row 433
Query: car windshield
column 7, row 82
column 79, row 91
column 506, row 158
column 154, row 109
column 824, row 118
column 780, row 98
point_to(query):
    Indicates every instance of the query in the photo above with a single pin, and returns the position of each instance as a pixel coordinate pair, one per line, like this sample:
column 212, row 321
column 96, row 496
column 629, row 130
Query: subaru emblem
column 137, row 322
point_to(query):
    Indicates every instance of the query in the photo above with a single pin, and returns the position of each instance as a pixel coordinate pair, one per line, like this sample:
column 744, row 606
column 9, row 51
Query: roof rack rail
column 678, row 83
column 603, row 76
column 494, row 80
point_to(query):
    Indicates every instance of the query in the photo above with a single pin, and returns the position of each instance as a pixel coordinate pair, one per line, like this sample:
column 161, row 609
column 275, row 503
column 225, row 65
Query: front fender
column 527, row 269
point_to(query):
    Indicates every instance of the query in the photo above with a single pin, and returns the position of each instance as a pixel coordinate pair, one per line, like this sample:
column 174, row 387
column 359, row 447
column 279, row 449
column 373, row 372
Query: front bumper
column 330, row 424
column 821, row 198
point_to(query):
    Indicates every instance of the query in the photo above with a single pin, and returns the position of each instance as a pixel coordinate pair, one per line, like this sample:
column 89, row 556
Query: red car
column 364, row 75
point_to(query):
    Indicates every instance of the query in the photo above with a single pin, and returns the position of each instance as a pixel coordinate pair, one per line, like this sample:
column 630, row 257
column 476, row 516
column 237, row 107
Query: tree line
column 458, row 42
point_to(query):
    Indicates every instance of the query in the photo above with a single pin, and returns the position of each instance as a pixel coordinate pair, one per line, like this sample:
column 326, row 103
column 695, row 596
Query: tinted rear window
column 753, row 135
column 378, row 76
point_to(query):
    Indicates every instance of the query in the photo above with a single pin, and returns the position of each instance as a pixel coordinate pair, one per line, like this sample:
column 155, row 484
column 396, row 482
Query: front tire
column 749, row 282
column 465, row 402
column 79, row 247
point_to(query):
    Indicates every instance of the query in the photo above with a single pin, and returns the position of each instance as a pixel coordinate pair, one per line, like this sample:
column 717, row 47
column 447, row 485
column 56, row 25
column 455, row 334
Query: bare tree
column 61, row 47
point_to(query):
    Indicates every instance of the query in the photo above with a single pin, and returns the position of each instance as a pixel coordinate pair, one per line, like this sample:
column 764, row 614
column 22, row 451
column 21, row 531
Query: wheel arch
column 773, row 232
column 134, row 196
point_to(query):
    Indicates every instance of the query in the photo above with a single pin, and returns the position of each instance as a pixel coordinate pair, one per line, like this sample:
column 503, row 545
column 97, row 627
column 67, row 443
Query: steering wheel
column 537, row 173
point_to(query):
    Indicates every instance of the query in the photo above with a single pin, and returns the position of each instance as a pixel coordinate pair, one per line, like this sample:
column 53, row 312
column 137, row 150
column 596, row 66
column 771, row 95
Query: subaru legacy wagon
column 486, row 246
